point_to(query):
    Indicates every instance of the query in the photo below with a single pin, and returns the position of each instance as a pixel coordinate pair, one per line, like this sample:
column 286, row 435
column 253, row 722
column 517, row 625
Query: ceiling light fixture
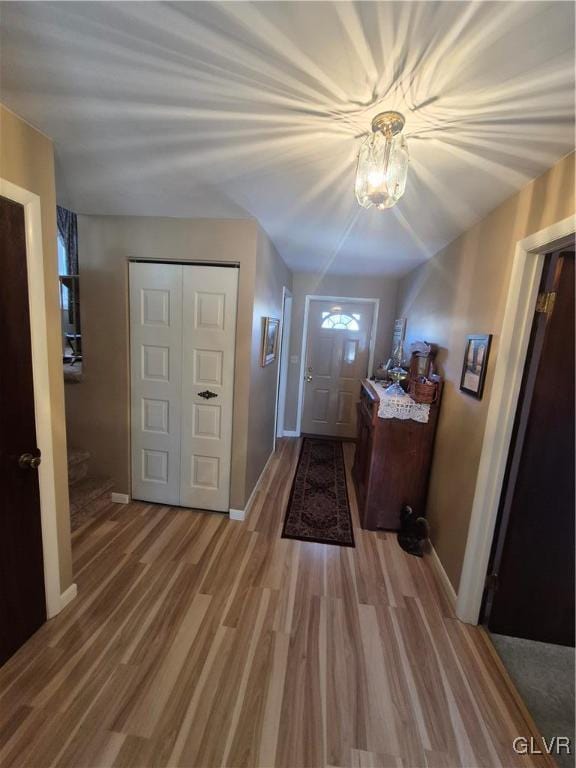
column 382, row 163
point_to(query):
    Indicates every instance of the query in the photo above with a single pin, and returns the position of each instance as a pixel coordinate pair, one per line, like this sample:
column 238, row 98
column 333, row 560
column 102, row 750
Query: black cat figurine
column 414, row 532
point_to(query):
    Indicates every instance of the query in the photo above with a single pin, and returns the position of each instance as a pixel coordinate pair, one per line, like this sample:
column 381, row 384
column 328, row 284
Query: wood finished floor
column 199, row 641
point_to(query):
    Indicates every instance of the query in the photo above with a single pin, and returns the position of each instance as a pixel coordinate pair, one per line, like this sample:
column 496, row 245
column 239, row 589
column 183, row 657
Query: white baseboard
column 291, row 433
column 68, row 595
column 443, row 576
column 120, row 498
column 242, row 514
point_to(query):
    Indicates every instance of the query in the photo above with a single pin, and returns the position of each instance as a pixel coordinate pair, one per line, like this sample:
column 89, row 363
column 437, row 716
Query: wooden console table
column 392, row 462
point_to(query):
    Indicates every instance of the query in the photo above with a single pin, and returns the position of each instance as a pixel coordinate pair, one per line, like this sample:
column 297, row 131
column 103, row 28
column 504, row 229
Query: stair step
column 90, row 512
column 77, row 456
column 77, row 465
column 87, row 490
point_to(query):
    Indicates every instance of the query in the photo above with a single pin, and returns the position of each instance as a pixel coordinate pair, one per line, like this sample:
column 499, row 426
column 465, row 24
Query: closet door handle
column 207, row 395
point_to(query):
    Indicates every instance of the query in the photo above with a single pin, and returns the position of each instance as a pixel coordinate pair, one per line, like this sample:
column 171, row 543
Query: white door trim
column 282, row 375
column 55, row 600
column 514, row 338
column 313, row 297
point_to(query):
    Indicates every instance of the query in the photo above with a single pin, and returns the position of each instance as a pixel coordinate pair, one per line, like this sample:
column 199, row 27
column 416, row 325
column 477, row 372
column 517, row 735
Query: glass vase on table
column 397, row 373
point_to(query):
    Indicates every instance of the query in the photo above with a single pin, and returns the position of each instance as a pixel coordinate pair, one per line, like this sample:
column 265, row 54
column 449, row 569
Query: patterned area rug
column 318, row 509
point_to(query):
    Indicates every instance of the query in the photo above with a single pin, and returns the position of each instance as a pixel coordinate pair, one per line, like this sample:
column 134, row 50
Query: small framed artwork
column 399, row 332
column 475, row 364
column 270, row 333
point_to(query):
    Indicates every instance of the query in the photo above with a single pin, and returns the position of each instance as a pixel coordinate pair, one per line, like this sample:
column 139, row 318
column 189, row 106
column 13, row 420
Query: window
column 67, row 247
column 62, row 271
column 339, row 321
column 62, row 260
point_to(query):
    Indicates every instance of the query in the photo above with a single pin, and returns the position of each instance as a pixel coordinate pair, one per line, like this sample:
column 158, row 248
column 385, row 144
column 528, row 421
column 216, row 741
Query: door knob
column 307, row 377
column 29, row 461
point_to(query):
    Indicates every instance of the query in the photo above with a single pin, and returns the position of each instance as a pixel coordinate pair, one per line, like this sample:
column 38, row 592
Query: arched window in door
column 340, row 322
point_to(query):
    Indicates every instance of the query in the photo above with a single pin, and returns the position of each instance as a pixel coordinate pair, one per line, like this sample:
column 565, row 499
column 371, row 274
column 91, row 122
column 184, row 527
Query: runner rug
column 318, row 509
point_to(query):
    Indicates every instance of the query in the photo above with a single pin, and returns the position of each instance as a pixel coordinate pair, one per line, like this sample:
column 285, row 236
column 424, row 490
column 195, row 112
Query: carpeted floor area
column 544, row 676
column 319, row 509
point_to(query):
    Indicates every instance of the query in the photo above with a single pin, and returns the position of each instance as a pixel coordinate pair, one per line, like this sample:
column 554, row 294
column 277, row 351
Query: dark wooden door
column 22, row 597
column 534, row 554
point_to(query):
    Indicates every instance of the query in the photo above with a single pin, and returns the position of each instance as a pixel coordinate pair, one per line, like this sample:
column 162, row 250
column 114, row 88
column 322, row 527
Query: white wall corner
column 67, row 596
column 120, row 498
column 242, row 514
column 436, row 563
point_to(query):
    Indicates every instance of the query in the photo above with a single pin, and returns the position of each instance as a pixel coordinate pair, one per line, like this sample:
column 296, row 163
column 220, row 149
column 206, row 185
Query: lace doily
column 400, row 406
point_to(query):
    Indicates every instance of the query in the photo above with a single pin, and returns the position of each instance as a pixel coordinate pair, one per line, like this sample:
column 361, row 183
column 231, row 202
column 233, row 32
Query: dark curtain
column 68, row 230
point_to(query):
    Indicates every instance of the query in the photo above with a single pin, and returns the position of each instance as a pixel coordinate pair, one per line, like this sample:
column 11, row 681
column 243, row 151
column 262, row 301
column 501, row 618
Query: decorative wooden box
column 392, row 462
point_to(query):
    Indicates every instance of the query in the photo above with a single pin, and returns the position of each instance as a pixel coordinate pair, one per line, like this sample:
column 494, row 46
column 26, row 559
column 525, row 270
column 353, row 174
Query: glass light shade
column 382, row 170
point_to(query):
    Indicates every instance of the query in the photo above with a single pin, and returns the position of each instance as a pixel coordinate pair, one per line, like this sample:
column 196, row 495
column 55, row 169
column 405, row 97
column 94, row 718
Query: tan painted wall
column 98, row 407
column 463, row 290
column 271, row 276
column 27, row 160
column 351, row 286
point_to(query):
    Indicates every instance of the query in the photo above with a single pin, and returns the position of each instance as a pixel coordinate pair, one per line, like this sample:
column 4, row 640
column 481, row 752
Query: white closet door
column 156, row 379
column 208, row 341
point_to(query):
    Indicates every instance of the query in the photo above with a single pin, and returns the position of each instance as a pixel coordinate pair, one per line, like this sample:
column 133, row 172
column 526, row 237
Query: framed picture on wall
column 270, row 333
column 475, row 363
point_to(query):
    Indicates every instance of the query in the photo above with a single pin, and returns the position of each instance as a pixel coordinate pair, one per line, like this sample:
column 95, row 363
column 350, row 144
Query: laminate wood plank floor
column 199, row 641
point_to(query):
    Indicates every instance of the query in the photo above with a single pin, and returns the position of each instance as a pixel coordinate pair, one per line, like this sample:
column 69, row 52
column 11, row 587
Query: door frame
column 313, row 297
column 55, row 600
column 282, row 374
column 514, row 338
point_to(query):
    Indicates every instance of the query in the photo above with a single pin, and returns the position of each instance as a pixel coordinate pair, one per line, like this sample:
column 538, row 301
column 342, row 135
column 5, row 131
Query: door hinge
column 545, row 303
column 491, row 581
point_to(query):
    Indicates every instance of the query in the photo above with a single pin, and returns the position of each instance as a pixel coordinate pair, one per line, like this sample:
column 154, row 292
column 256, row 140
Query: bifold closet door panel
column 156, row 380
column 208, row 342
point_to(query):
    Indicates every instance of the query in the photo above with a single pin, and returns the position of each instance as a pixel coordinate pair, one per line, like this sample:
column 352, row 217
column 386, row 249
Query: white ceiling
column 254, row 109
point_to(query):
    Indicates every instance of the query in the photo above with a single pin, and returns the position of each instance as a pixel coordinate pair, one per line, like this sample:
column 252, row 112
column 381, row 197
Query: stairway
column 88, row 494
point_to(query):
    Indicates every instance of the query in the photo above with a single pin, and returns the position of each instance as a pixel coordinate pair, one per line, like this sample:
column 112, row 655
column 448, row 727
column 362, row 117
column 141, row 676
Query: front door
column 337, row 355
column 534, row 555
column 182, row 341
column 22, row 596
